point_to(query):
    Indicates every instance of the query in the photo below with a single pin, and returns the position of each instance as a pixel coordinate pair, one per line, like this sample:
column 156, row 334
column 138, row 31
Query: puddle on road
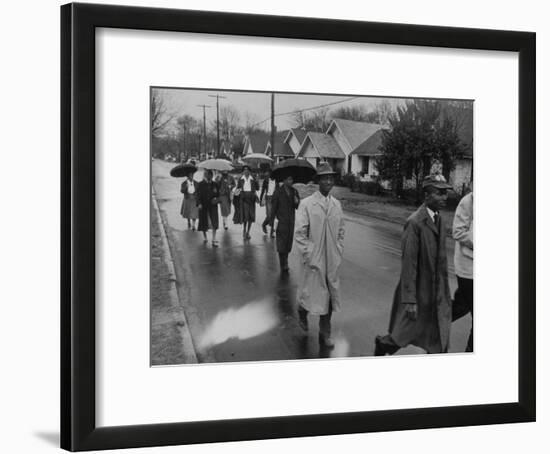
column 248, row 321
column 341, row 348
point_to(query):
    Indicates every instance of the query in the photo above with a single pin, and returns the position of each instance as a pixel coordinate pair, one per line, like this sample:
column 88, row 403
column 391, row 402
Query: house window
column 317, row 161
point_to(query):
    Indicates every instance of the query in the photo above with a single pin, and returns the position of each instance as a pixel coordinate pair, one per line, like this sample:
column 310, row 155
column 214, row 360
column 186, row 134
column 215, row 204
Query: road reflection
column 248, row 321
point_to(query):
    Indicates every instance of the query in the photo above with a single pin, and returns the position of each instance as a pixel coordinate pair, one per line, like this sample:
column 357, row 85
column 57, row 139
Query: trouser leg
column 385, row 345
column 466, row 293
column 283, row 260
column 324, row 322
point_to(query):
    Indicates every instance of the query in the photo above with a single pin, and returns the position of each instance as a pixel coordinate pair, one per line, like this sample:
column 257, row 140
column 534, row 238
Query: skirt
column 189, row 208
column 225, row 205
column 248, row 206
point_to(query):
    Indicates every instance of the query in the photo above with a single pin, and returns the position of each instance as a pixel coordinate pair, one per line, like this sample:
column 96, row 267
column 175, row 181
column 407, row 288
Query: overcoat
column 283, row 207
column 207, row 196
column 319, row 236
column 424, row 281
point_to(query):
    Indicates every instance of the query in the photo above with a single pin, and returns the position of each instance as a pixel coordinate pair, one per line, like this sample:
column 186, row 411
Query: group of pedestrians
column 422, row 309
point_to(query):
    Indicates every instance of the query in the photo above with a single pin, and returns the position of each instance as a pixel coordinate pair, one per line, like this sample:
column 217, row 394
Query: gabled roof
column 299, row 133
column 281, row 147
column 325, row 145
column 355, row 132
column 258, row 141
column 370, row 147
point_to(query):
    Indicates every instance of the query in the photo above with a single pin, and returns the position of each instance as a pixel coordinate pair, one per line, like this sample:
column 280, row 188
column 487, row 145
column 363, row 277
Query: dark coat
column 424, row 281
column 207, row 196
column 283, row 207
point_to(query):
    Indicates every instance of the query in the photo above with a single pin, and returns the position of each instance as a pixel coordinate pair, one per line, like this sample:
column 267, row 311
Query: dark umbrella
column 299, row 169
column 183, row 170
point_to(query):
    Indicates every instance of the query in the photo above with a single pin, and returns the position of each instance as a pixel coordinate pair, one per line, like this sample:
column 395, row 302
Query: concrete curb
column 180, row 319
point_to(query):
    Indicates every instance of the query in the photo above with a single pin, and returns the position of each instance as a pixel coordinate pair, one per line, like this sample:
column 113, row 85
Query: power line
column 309, row 108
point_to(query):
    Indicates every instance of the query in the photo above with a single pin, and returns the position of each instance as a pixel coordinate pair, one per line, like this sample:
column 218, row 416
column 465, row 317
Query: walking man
column 463, row 234
column 421, row 313
column 248, row 187
column 207, row 202
column 319, row 236
column 284, row 203
column 268, row 189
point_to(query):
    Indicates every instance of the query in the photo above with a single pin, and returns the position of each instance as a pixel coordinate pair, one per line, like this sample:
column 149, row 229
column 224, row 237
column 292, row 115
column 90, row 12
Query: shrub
column 369, row 187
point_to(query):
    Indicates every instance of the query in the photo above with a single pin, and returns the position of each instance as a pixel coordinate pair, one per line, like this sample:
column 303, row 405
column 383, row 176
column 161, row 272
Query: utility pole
column 204, row 107
column 217, row 118
column 272, row 124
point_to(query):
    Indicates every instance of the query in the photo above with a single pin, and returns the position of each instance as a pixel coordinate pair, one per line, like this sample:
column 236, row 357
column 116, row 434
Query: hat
column 437, row 181
column 324, row 168
column 246, row 166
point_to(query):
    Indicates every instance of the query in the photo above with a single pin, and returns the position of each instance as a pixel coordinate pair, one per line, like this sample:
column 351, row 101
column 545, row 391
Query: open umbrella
column 183, row 170
column 256, row 159
column 299, row 169
column 216, row 164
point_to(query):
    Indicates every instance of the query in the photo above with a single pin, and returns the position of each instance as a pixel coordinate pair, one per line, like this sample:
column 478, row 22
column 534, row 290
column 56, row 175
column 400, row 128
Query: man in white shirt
column 268, row 188
column 248, row 196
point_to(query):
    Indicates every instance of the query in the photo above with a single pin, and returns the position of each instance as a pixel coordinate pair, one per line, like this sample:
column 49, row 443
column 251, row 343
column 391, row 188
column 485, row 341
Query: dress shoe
column 326, row 340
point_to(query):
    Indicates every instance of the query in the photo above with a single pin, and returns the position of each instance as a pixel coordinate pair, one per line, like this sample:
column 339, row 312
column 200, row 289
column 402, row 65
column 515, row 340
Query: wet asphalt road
column 240, row 308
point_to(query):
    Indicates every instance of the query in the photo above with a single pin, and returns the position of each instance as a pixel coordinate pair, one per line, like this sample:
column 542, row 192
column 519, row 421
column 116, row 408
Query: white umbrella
column 216, row 164
column 256, row 158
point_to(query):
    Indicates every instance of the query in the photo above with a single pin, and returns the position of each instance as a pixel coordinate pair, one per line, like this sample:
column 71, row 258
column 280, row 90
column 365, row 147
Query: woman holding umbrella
column 188, row 189
column 189, row 208
column 207, row 203
column 284, row 202
column 248, row 187
column 226, row 184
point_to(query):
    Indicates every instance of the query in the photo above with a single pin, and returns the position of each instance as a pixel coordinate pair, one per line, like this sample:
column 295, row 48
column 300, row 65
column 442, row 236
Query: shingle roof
column 325, row 145
column 356, row 132
column 299, row 133
column 370, row 147
column 281, row 147
column 258, row 141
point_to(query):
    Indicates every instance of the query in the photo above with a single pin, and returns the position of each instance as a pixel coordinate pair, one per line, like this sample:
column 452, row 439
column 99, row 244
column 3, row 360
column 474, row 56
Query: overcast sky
column 186, row 101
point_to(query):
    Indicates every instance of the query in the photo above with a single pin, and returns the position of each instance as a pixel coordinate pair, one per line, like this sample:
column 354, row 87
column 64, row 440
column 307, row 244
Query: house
column 364, row 156
column 295, row 138
column 350, row 136
column 318, row 146
column 282, row 149
column 463, row 173
column 255, row 142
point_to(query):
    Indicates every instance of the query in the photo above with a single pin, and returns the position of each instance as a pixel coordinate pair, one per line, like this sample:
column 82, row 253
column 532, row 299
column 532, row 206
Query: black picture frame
column 78, row 177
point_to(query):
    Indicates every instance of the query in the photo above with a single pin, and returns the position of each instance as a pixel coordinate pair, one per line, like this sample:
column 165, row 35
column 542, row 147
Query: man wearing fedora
column 319, row 236
column 422, row 312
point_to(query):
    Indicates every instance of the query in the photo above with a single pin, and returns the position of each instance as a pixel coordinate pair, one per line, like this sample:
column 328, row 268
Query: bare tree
column 251, row 122
column 229, row 121
column 186, row 126
column 159, row 114
column 317, row 120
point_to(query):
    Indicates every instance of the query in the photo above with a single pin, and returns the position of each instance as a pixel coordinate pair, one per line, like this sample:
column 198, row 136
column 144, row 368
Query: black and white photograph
column 301, row 226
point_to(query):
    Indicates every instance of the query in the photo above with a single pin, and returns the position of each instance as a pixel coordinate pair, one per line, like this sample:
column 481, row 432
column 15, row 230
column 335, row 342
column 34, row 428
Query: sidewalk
column 170, row 338
column 384, row 208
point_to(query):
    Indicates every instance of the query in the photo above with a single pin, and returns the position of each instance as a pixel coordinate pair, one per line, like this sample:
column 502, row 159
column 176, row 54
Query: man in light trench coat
column 319, row 236
column 422, row 313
